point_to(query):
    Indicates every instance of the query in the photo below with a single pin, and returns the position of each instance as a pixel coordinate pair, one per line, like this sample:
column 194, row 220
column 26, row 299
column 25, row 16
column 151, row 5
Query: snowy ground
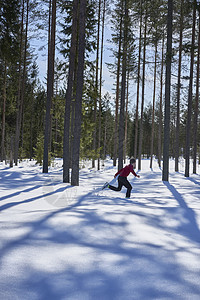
column 62, row 242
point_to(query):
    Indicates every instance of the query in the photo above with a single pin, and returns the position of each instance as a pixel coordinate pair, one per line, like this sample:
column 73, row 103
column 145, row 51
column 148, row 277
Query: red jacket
column 126, row 171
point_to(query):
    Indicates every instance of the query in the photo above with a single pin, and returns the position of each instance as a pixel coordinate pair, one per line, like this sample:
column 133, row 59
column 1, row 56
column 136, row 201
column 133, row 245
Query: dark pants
column 122, row 181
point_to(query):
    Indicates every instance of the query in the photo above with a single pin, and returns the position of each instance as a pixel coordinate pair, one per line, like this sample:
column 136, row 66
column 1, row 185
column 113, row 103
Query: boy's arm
column 135, row 174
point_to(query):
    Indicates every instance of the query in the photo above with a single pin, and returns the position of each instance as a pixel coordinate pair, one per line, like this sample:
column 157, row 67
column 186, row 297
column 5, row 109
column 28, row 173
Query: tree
column 79, row 92
column 50, row 84
column 66, row 144
column 97, row 82
column 165, row 173
column 143, row 90
column 189, row 113
column 138, row 83
column 21, row 92
column 161, row 104
column 101, row 71
column 9, row 49
column 179, row 87
column 196, row 104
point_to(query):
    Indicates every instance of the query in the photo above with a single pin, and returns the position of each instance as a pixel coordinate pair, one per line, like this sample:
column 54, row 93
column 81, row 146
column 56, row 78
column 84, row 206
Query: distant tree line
column 154, row 43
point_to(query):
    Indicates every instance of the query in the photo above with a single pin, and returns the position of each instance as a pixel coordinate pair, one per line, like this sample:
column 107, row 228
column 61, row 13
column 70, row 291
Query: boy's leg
column 114, row 188
column 127, row 184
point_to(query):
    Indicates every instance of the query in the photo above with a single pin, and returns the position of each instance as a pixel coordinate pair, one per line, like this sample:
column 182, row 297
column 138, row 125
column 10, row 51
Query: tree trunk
column 31, row 129
column 189, row 114
column 105, row 137
column 153, row 112
column 117, row 96
column 179, row 89
column 126, row 118
column 101, row 71
column 138, row 85
column 97, row 84
column 165, row 173
column 142, row 103
column 17, row 129
column 11, row 151
column 196, row 108
column 123, row 91
column 50, row 83
column 79, row 92
column 3, row 114
column 160, row 110
column 68, row 99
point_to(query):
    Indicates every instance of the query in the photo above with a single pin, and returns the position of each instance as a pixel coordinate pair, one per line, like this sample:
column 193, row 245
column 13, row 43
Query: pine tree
column 123, row 88
column 189, row 113
column 79, row 92
column 165, row 173
column 50, row 85
column 196, row 103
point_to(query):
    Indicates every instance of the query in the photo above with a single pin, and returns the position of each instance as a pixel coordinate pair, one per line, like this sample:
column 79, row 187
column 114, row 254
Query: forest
column 69, row 115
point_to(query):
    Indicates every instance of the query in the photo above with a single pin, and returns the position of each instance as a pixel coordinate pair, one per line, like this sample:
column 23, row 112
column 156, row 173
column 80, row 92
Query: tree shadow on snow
column 190, row 227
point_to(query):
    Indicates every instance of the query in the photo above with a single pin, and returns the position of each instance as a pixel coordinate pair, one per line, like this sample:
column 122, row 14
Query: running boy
column 122, row 179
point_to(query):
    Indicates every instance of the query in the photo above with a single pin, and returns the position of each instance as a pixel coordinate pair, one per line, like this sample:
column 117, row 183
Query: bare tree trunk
column 3, row 114
column 123, row 91
column 142, row 103
column 68, row 100
column 79, row 92
column 17, row 129
column 160, row 110
column 11, row 151
column 126, row 118
column 165, row 173
column 117, row 96
column 138, row 84
column 97, row 84
column 105, row 137
column 31, row 130
column 189, row 114
column 196, row 108
column 50, row 84
column 101, row 71
column 179, row 89
column 153, row 112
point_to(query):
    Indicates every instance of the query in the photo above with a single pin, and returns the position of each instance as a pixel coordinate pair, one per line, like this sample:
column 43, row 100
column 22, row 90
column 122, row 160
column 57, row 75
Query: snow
column 63, row 242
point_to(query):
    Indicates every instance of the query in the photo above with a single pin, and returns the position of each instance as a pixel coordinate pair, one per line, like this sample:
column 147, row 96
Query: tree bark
column 179, row 89
column 123, row 92
column 189, row 113
column 160, row 110
column 126, row 118
column 3, row 114
column 117, row 96
column 153, row 112
column 79, row 92
column 165, row 173
column 97, row 84
column 196, row 112
column 17, row 129
column 138, row 85
column 68, row 98
column 101, row 72
column 143, row 89
column 50, row 84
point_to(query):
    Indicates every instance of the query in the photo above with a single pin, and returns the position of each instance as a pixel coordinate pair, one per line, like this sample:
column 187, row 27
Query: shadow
column 193, row 180
column 12, row 204
column 18, row 193
column 93, row 256
column 95, row 249
column 189, row 228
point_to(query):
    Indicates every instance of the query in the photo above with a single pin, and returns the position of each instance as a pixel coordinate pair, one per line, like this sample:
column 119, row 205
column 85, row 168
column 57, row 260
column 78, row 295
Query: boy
column 122, row 179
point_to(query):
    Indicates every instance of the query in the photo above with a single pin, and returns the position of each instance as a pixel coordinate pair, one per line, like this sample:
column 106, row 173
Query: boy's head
column 132, row 161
